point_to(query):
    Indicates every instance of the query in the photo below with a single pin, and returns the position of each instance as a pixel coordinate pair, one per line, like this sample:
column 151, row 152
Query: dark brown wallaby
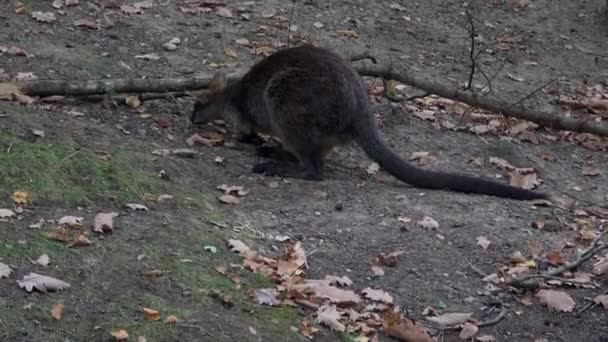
column 312, row 100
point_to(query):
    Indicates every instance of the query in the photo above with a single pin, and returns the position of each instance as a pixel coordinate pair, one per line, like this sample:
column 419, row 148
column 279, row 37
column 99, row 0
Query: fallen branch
column 534, row 281
column 163, row 85
column 518, row 111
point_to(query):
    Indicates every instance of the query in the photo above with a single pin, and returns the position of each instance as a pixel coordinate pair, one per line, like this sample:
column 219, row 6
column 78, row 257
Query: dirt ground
column 103, row 159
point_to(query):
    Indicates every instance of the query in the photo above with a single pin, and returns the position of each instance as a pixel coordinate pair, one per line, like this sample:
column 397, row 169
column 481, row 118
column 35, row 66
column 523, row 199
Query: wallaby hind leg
column 310, row 167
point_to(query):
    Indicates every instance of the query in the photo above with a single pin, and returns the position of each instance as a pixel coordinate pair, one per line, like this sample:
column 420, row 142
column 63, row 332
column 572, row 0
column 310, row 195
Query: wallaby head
column 209, row 104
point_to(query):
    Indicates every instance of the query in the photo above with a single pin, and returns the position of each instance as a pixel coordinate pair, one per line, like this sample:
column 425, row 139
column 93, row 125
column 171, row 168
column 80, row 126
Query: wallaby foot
column 275, row 152
column 251, row 138
column 273, row 168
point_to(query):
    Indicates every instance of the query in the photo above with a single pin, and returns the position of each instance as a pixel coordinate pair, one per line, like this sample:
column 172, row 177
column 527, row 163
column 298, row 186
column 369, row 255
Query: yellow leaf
column 119, row 335
column 171, row 319
column 20, row 197
column 57, row 311
column 151, row 314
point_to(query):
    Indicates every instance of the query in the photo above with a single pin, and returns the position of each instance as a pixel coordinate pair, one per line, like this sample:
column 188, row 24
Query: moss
column 57, row 171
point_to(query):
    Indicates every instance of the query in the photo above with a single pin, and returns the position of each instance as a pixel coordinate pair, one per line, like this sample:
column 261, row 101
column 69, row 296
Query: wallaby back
column 312, row 99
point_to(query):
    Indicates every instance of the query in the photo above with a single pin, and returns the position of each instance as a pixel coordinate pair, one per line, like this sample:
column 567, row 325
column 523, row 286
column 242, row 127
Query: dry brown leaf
column 348, row 33
column 377, row 295
column 307, row 330
column 428, row 115
column 556, row 300
column 554, row 258
column 44, row 17
column 41, row 283
column 119, row 335
column 240, row 248
column 233, row 190
column 449, row 319
column 428, row 222
column 71, row 221
column 321, row 289
column 404, row 329
column 151, row 314
column 377, row 271
column 485, row 338
column 5, row 270
column 86, row 23
column 267, row 297
column 136, row 206
column 229, row 199
column 468, row 331
column 79, row 241
column 59, row 234
column 57, row 311
column 591, row 171
column 230, row 52
column 6, row 213
column 483, row 242
column 525, row 178
column 423, row 158
column 343, row 281
column 224, row 12
column 42, row 260
column 600, row 268
column 501, row 164
column 171, row 319
column 104, row 222
column 329, row 316
column 602, row 299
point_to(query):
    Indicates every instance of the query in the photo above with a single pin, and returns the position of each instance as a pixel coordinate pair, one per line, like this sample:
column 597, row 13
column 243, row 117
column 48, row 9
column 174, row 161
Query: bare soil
column 342, row 221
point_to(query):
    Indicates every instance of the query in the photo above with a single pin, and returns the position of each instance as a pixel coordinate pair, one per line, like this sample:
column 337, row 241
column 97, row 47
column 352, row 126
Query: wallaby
column 312, row 100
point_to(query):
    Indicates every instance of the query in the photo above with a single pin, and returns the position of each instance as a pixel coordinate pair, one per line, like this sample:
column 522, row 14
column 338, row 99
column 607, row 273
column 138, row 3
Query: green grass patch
column 57, row 171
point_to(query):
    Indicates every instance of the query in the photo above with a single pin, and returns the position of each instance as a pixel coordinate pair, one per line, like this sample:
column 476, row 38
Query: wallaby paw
column 268, row 168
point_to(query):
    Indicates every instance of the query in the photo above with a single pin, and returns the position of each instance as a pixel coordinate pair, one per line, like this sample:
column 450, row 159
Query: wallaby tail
column 368, row 137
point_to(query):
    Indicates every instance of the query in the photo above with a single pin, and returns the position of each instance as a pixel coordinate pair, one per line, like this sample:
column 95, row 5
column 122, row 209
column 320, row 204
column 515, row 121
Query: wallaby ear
column 218, row 82
column 201, row 94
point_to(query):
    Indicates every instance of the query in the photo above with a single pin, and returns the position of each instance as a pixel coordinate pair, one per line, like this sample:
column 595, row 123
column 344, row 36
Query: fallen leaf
column 525, row 178
column 164, row 198
column 20, row 197
column 600, row 268
column 556, row 300
column 428, row 115
column 25, row 76
column 483, row 242
column 468, row 331
column 342, row 281
column 329, row 316
column 404, row 329
column 267, row 297
column 233, row 190
column 428, row 222
column 449, row 319
column 151, row 314
column 501, row 163
column 323, row 290
column 86, row 23
column 211, row 249
column 229, row 199
column 230, row 52
column 80, row 240
column 6, row 213
column 171, row 319
column 601, row 299
column 348, row 33
column 119, row 335
column 485, row 338
column 377, row 295
column 57, row 311
column 591, row 171
column 554, row 258
column 240, row 248
column 71, row 221
column 59, row 234
column 104, row 222
column 5, row 270
column 41, row 283
column 307, row 330
column 373, row 168
column 136, row 206
column 44, row 17
column 133, row 101
column 148, row 57
column 377, row 271
column 43, row 260
column 269, row 13
column 224, row 12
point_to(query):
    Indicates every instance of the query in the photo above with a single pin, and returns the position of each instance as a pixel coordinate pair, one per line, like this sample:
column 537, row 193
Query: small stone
column 169, row 46
column 318, row 25
column 175, row 41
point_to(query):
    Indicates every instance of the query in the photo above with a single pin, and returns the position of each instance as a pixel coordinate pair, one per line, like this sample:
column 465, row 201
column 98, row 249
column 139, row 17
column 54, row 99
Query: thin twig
column 472, row 50
column 293, row 6
column 482, row 324
column 537, row 90
column 589, row 305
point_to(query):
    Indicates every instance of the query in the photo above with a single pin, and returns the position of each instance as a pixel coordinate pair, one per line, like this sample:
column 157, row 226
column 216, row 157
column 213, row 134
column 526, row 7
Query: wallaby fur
column 312, row 100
